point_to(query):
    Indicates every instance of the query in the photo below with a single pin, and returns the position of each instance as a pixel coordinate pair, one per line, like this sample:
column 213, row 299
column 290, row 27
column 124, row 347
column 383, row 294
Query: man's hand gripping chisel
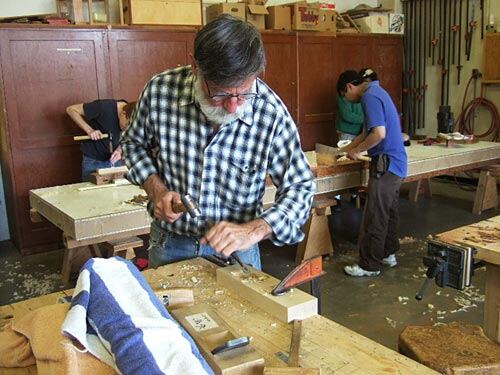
column 187, row 204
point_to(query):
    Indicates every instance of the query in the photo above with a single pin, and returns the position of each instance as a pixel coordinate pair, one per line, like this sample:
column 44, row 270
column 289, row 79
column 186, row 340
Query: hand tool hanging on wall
column 434, row 40
column 481, row 4
column 467, row 35
column 443, row 51
column 412, row 62
column 418, row 54
column 454, row 29
column 472, row 25
column 459, row 54
column 448, row 46
column 407, row 104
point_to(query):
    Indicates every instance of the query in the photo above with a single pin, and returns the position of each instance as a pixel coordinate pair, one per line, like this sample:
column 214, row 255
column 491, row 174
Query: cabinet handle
column 69, row 50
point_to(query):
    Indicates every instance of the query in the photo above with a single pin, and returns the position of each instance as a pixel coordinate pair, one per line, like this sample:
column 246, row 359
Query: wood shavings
column 402, row 299
column 194, row 280
column 139, row 200
column 218, row 292
column 391, row 322
column 430, row 306
column 407, row 239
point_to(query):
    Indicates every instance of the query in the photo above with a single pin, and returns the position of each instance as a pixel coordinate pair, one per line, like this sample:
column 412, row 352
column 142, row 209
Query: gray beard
column 217, row 115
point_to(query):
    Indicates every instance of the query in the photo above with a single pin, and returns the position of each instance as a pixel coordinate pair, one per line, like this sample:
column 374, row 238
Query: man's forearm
column 370, row 141
column 260, row 229
column 154, row 186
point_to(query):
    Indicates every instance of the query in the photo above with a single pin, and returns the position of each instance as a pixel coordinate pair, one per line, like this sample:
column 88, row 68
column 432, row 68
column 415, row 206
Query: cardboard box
column 256, row 15
column 375, row 22
column 328, row 20
column 305, row 17
column 163, row 12
column 396, row 23
column 235, row 9
column 279, row 18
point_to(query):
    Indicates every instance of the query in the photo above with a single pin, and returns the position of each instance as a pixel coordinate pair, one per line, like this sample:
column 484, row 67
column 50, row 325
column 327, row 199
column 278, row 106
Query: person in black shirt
column 106, row 116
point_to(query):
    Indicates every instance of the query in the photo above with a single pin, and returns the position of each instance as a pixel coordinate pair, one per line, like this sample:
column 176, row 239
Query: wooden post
column 421, row 186
column 486, row 196
column 317, row 240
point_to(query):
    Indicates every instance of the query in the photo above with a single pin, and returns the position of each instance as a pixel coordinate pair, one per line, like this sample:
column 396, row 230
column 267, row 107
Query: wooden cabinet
column 137, row 55
column 45, row 69
column 281, row 68
column 491, row 58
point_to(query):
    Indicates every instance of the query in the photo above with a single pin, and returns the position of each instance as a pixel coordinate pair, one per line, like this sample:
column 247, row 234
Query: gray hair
column 228, row 51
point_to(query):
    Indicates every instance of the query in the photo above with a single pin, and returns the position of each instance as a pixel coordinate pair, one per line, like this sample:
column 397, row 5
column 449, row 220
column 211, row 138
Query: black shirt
column 101, row 115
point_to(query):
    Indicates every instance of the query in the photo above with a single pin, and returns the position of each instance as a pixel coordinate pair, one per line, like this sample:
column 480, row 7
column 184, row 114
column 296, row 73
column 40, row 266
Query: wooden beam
column 257, row 286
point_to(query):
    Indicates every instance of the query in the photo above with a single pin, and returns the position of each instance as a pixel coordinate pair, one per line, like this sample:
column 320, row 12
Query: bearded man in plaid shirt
column 215, row 131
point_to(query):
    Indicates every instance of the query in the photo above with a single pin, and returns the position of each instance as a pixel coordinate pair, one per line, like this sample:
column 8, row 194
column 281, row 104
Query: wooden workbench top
column 325, row 344
column 484, row 236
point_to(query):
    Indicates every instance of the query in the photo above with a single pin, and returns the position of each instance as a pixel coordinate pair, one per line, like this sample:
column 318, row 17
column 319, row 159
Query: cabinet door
column 388, row 63
column 281, row 68
column 316, row 90
column 44, row 71
column 137, row 55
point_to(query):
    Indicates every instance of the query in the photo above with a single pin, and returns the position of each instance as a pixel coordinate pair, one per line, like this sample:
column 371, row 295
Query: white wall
column 15, row 8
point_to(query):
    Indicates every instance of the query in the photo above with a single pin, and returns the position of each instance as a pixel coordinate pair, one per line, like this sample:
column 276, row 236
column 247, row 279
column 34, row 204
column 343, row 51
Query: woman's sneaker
column 390, row 261
column 357, row 271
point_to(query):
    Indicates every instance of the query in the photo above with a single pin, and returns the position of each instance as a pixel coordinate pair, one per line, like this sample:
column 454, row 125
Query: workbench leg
column 317, row 240
column 492, row 303
column 486, row 194
column 66, row 266
column 418, row 187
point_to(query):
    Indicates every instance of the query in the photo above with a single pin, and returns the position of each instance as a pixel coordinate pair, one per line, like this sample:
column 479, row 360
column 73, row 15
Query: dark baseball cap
column 349, row 76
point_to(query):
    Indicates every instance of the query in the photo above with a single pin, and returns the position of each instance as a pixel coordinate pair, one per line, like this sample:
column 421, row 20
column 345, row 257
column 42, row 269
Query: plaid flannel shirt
column 224, row 171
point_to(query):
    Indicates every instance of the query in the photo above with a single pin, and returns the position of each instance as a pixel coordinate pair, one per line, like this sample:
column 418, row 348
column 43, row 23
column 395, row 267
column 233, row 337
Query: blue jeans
column 167, row 247
column 90, row 165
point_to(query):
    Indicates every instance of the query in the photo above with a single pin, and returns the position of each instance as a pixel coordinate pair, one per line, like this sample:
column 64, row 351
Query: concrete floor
column 378, row 308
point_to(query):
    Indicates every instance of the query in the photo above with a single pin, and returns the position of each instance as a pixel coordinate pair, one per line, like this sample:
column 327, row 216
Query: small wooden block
column 174, row 298
column 209, row 330
column 456, row 348
column 256, row 287
column 105, row 171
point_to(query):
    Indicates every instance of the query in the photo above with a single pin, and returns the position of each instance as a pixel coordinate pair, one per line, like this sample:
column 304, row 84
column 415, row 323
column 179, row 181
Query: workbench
column 324, row 343
column 484, row 236
column 93, row 216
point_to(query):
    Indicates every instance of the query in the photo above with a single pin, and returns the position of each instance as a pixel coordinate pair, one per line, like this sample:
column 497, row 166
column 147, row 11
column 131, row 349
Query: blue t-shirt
column 380, row 110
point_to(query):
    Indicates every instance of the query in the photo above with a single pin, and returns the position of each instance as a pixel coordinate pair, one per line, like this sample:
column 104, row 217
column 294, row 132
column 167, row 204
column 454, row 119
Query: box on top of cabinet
column 235, row 9
column 328, row 20
column 375, row 22
column 396, row 23
column 256, row 15
column 163, row 12
column 279, row 18
column 305, row 16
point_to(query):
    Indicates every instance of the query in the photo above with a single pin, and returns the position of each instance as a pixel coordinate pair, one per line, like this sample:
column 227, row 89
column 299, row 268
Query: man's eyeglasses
column 222, row 97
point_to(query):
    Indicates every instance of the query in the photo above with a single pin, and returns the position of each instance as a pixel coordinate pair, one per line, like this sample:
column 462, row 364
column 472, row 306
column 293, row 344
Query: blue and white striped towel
column 116, row 316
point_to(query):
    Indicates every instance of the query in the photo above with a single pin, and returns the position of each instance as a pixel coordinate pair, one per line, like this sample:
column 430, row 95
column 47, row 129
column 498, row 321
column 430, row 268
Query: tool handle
column 87, row 137
column 232, row 344
column 420, row 294
column 178, row 207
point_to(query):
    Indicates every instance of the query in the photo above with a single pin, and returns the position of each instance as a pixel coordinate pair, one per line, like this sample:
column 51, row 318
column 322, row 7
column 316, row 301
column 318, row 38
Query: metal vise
column 451, row 265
